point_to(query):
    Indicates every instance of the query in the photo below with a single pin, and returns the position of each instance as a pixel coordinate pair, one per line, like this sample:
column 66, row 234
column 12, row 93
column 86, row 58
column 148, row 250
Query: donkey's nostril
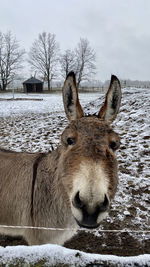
column 77, row 202
column 104, row 205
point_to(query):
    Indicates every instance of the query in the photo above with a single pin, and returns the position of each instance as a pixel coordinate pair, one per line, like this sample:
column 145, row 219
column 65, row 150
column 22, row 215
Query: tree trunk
column 48, row 81
column 4, row 85
column 79, row 79
column 49, row 85
column 80, row 75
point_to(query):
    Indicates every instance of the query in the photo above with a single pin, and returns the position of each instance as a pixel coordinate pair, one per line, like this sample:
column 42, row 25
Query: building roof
column 32, row 80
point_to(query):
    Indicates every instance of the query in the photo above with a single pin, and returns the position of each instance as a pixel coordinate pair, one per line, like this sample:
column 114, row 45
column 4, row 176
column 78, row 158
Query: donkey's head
column 88, row 161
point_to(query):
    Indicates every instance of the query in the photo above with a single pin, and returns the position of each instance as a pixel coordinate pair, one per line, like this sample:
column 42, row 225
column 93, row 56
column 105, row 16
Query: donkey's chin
column 88, row 226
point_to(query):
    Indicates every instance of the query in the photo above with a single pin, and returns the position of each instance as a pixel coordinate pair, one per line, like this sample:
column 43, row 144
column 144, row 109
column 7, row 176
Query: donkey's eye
column 113, row 145
column 71, row 141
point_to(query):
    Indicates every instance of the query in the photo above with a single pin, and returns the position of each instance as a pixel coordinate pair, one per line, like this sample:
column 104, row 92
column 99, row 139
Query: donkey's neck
column 49, row 200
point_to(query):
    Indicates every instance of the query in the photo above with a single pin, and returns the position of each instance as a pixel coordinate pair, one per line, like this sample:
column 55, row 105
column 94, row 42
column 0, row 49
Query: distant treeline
column 130, row 83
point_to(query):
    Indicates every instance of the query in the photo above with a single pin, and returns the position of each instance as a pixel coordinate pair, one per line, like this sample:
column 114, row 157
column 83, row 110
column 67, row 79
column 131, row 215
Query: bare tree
column 43, row 56
column 11, row 57
column 67, row 62
column 85, row 61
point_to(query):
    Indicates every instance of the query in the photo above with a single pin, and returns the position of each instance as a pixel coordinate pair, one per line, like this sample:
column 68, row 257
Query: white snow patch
column 56, row 254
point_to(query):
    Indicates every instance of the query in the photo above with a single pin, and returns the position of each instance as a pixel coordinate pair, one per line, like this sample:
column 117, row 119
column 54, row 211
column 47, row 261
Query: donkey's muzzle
column 89, row 219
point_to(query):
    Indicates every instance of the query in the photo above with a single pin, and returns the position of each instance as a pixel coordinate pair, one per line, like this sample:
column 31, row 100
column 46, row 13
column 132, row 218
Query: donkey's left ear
column 110, row 109
column 72, row 105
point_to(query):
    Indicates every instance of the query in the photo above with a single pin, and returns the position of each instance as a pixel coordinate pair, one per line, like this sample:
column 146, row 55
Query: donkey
column 69, row 187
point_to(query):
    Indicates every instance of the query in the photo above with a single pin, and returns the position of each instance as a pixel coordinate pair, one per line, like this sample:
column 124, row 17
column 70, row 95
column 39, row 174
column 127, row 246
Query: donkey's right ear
column 72, row 105
column 110, row 109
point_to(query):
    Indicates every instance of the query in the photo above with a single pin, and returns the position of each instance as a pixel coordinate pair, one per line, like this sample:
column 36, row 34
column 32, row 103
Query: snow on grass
column 48, row 103
column 54, row 255
column 33, row 125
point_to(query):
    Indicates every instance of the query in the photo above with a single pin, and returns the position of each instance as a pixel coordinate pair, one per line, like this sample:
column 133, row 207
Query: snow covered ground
column 36, row 125
column 45, row 115
column 54, row 255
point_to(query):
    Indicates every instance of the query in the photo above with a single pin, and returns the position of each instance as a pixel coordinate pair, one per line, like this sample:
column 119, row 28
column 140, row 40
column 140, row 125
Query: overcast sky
column 118, row 30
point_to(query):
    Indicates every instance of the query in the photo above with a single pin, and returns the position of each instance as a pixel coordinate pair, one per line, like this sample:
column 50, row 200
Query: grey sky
column 118, row 30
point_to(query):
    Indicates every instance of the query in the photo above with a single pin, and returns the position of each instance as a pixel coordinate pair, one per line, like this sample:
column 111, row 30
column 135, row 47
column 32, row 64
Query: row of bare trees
column 45, row 59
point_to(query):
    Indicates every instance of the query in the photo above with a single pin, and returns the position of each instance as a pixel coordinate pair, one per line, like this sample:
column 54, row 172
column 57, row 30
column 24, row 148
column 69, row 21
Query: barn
column 33, row 85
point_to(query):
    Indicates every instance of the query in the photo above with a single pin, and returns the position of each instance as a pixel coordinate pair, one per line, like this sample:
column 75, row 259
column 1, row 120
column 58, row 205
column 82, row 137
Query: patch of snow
column 126, row 213
column 48, row 103
column 54, row 254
